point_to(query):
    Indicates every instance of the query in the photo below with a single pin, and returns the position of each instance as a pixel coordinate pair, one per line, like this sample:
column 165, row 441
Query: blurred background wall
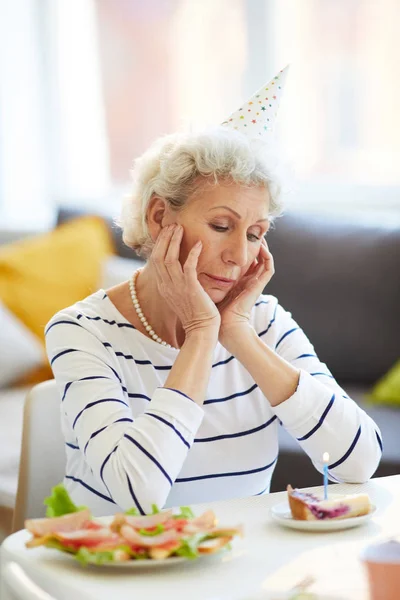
column 86, row 85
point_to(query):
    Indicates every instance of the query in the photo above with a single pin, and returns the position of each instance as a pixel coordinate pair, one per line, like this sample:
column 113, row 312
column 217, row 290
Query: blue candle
column 325, row 460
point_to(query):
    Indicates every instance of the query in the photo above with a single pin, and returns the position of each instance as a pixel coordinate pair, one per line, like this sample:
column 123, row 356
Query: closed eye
column 253, row 238
column 219, row 228
column 250, row 236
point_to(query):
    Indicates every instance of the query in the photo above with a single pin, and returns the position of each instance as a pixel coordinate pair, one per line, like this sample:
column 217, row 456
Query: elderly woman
column 173, row 384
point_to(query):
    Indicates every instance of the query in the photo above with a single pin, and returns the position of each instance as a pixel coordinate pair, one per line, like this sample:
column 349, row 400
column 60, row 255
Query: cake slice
column 308, row 507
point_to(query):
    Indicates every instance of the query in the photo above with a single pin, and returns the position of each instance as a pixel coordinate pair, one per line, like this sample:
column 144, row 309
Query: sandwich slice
column 126, row 536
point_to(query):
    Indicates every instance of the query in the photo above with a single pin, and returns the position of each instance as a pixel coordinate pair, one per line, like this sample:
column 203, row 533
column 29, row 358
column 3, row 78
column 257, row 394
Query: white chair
column 43, row 455
column 21, row 587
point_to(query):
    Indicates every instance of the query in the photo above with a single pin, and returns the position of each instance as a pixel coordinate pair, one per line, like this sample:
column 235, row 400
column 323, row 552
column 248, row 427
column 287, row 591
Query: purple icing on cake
column 328, row 513
column 313, row 503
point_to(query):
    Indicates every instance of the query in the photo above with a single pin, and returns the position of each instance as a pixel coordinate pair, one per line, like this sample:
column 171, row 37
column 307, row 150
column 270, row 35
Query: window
column 167, row 65
column 340, row 122
column 106, row 78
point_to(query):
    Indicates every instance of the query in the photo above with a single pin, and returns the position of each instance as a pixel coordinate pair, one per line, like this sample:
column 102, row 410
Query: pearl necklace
column 139, row 312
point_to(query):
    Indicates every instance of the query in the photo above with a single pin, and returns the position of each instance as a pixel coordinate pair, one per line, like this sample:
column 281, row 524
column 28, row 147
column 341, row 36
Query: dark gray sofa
column 340, row 278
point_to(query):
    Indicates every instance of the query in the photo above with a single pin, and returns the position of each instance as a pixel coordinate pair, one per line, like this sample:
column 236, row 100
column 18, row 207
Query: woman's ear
column 156, row 217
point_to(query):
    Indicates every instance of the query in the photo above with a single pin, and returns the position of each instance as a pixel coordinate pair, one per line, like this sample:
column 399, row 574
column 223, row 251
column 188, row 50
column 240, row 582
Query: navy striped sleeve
column 127, row 460
column 319, row 414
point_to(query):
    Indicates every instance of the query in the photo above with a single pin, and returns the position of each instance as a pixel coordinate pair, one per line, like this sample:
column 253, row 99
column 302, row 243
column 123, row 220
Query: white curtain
column 23, row 144
column 53, row 142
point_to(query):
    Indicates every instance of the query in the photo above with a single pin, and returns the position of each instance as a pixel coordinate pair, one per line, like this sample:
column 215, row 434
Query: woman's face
column 231, row 221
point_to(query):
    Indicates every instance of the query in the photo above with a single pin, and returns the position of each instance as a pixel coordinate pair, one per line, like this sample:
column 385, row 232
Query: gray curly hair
column 177, row 166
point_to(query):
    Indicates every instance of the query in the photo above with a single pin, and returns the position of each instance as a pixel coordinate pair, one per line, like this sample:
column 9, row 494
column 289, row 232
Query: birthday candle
column 325, row 460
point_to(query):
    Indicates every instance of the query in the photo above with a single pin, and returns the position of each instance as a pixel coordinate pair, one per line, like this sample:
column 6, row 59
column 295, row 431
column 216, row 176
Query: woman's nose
column 237, row 252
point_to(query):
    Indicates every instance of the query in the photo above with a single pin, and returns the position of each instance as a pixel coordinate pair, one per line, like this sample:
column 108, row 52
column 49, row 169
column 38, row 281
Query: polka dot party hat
column 258, row 114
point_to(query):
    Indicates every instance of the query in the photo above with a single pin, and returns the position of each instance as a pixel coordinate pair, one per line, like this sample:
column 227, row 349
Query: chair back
column 43, row 456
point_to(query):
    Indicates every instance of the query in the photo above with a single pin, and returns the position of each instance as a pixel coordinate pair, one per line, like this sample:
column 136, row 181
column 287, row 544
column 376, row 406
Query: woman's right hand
column 179, row 285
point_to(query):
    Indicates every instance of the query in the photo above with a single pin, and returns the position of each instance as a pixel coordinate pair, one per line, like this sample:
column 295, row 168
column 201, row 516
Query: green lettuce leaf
column 133, row 512
column 59, row 503
column 188, row 547
column 156, row 531
column 186, row 513
column 87, row 556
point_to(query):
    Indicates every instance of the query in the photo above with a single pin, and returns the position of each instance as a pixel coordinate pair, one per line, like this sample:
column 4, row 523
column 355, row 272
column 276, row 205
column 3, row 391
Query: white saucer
column 281, row 514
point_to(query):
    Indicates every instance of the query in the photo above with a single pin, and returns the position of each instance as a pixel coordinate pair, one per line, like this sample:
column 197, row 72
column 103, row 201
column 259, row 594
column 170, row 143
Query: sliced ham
column 89, row 538
column 94, row 525
column 204, row 522
column 87, row 534
column 101, row 539
column 178, row 524
column 140, row 522
column 70, row 522
column 133, row 537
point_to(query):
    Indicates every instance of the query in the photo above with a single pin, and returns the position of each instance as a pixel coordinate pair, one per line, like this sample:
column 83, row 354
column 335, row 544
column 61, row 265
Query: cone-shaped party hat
column 256, row 117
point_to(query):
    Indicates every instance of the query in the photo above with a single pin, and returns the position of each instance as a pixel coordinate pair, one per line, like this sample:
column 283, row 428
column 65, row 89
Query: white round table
column 268, row 559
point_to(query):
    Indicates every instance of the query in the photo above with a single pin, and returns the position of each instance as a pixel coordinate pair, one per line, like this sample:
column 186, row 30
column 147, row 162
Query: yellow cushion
column 42, row 373
column 44, row 274
column 387, row 389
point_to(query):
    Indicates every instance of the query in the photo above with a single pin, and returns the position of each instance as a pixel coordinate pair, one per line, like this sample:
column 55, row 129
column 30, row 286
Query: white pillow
column 20, row 350
column 117, row 269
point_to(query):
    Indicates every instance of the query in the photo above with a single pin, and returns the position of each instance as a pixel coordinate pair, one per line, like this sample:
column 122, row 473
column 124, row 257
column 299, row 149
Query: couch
column 339, row 276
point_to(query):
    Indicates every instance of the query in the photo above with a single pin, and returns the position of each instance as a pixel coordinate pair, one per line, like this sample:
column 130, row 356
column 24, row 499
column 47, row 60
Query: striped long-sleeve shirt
column 132, row 442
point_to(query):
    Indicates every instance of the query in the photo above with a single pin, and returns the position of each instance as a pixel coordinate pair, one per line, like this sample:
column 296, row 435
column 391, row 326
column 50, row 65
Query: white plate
column 281, row 514
column 146, row 563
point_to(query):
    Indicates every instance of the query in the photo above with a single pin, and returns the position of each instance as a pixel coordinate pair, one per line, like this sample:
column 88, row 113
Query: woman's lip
column 221, row 280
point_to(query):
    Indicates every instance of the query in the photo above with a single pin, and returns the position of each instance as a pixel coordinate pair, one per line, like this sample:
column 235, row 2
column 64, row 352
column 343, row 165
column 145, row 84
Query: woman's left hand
column 236, row 308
